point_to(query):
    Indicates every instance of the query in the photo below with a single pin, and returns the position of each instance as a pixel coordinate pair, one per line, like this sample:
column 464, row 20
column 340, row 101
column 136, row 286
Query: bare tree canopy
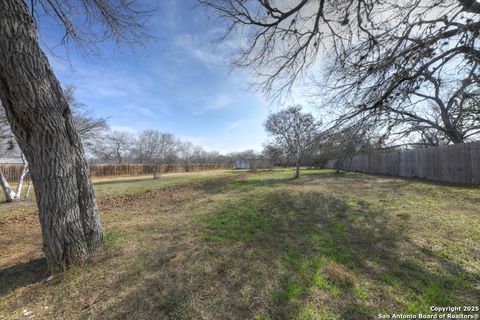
column 186, row 151
column 89, row 128
column 295, row 132
column 417, row 73
column 113, row 146
column 154, row 147
column 392, row 60
column 86, row 23
column 342, row 144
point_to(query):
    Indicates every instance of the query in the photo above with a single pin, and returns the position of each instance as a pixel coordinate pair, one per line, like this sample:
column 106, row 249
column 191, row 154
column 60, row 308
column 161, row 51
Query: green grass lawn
column 237, row 245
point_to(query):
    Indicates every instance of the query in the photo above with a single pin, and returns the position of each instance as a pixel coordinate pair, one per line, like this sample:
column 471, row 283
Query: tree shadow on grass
column 22, row 274
column 288, row 255
column 364, row 243
column 406, row 180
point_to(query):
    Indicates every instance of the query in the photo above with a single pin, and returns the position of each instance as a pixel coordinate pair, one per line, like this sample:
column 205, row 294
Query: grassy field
column 237, row 245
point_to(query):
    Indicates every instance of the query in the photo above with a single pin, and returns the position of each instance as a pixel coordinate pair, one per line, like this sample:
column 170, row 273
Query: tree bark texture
column 42, row 123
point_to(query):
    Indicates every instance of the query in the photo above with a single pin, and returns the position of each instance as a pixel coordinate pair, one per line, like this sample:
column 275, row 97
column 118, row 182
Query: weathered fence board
column 458, row 163
column 13, row 171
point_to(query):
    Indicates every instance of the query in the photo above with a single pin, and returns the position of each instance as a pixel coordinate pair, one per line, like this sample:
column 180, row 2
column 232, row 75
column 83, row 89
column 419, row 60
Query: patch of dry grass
column 340, row 275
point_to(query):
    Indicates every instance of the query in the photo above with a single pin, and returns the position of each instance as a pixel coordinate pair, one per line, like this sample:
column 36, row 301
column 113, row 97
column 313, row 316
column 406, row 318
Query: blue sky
column 177, row 83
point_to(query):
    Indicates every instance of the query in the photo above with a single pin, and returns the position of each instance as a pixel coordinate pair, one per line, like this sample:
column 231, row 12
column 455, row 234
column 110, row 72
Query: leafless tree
column 341, row 145
column 433, row 89
column 199, row 155
column 274, row 154
column 9, row 148
column 186, row 151
column 7, row 190
column 89, row 128
column 21, row 178
column 213, row 157
column 154, row 147
column 113, row 146
column 6, row 144
column 295, row 132
column 249, row 157
column 389, row 60
column 42, row 121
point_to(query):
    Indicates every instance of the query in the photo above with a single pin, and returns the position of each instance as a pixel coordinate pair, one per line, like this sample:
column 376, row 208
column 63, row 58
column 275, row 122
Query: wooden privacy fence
column 458, row 163
column 13, row 171
column 108, row 170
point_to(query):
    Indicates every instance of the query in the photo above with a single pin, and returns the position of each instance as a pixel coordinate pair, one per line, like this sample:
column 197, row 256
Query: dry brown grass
column 339, row 274
column 260, row 246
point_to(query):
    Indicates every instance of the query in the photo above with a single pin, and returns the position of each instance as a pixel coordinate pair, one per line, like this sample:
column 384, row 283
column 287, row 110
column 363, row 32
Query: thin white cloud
column 135, row 92
column 200, row 46
column 140, row 109
column 150, row 110
column 218, row 102
column 242, row 134
column 229, row 143
column 102, row 82
column 234, row 126
column 192, row 44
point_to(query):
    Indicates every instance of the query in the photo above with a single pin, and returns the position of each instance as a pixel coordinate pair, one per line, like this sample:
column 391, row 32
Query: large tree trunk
column 43, row 126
